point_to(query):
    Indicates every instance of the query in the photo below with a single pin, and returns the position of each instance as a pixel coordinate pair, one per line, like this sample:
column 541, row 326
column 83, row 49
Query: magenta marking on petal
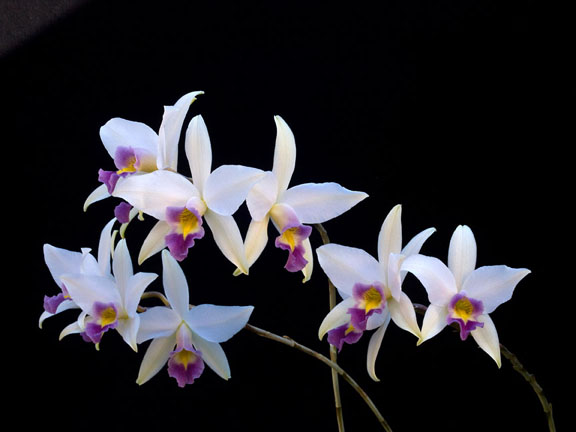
column 465, row 326
column 122, row 212
column 109, row 178
column 185, row 365
column 104, row 317
column 125, row 158
column 370, row 298
column 94, row 331
column 465, row 311
column 186, row 227
column 343, row 334
column 51, row 303
column 178, row 245
column 291, row 240
column 358, row 318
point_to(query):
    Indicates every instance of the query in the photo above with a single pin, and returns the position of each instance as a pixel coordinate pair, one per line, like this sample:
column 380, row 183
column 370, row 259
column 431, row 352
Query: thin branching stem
column 285, row 340
column 518, row 367
column 333, row 352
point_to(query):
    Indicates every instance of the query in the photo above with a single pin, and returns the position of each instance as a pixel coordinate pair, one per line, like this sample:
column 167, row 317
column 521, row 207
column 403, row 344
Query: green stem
column 333, row 352
column 285, row 340
column 518, row 367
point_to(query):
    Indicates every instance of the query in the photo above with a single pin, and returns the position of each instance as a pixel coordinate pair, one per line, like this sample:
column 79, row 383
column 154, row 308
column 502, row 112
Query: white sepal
column 345, row 266
column 227, row 187
column 374, row 347
column 155, row 358
column 320, row 202
column 217, row 323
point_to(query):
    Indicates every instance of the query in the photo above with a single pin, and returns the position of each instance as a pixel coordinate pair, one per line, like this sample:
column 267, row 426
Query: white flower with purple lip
column 181, row 205
column 109, row 301
column 61, row 261
column 371, row 288
column 291, row 208
column 461, row 293
column 137, row 148
column 184, row 337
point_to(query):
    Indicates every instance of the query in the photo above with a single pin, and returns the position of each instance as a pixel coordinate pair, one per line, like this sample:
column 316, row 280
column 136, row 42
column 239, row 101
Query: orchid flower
column 61, row 261
column 461, row 293
column 291, row 208
column 186, row 337
column 109, row 301
column 180, row 205
column 136, row 148
column 370, row 288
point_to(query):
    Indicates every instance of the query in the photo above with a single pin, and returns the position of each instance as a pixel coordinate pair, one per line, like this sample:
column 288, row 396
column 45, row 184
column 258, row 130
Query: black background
column 455, row 109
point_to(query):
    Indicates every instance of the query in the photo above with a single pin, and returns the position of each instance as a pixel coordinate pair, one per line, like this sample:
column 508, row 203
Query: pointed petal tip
column 374, row 377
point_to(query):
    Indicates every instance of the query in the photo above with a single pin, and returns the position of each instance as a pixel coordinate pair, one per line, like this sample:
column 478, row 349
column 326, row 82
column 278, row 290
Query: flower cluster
column 147, row 180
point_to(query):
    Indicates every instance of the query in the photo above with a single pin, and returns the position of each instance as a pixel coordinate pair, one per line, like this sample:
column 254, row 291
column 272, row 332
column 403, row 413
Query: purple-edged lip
column 292, row 239
column 465, row 311
column 186, row 223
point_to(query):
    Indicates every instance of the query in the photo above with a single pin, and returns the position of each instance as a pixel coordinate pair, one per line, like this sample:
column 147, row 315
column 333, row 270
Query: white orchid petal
column 105, row 248
column 136, row 287
column 436, row 278
column 493, row 285
column 262, row 196
column 118, row 132
column 320, row 202
column 170, row 129
column 256, row 239
column 198, row 151
column 154, row 241
column 309, row 257
column 175, row 284
column 155, row 191
column 157, row 322
column 213, row 355
column 374, row 348
column 73, row 328
column 85, row 290
column 337, row 317
column 390, row 236
column 128, row 329
column 227, row 187
column 345, row 266
column 156, row 357
column 415, row 244
column 98, row 194
column 228, row 238
column 435, row 319
column 377, row 319
column 487, row 338
column 394, row 275
column 60, row 261
column 64, row 306
column 122, row 267
column 217, row 323
column 284, row 154
column 462, row 253
column 404, row 316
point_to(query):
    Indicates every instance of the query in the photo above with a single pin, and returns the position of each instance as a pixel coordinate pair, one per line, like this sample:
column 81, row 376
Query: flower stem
column 518, row 367
column 333, row 352
column 335, row 367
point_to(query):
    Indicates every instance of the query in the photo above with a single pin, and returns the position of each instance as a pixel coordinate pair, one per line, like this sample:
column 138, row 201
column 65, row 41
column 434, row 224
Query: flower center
column 464, row 308
column 188, row 222
column 129, row 166
column 108, row 316
column 185, row 358
column 372, row 299
column 289, row 237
